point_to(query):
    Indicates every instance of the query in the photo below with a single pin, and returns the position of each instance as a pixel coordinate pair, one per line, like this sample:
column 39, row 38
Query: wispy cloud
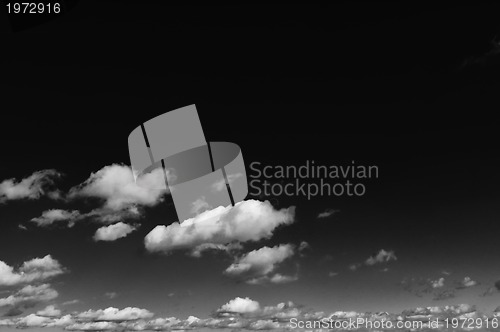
column 256, row 266
column 38, row 184
column 383, row 256
column 327, row 213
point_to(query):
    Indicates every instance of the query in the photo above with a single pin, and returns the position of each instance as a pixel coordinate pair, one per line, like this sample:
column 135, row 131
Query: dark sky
column 412, row 89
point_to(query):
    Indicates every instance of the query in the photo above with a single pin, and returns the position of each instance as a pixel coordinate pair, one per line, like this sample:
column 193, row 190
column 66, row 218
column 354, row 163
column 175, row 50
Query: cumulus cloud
column 382, row 256
column 115, row 314
column 241, row 306
column 49, row 311
column 113, row 232
column 37, row 269
column 237, row 314
column 116, row 186
column 327, row 213
column 466, row 282
column 36, row 185
column 28, row 296
column 247, row 221
column 437, row 283
column 256, row 266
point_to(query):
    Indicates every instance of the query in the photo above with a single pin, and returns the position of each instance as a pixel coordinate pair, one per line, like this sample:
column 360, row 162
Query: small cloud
column 241, row 306
column 221, row 184
column 256, row 266
column 444, row 295
column 381, row 257
column 49, row 217
column 332, row 274
column 327, row 213
column 439, row 283
column 200, row 205
column 113, row 232
column 49, row 311
column 466, row 282
column 111, row 295
column 354, row 266
column 70, row 302
column 303, row 246
column 227, row 248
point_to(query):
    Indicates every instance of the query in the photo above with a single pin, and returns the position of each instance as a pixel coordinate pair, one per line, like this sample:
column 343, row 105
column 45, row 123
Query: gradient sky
column 422, row 118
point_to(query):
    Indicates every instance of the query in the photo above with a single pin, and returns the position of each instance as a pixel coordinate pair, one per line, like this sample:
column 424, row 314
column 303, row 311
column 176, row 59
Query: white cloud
column 115, row 314
column 34, row 186
column 33, row 321
column 116, row 186
column 221, row 184
column 29, row 295
column 382, row 256
column 260, row 263
column 237, row 314
column 49, row 217
column 466, row 282
column 49, row 311
column 200, row 205
column 247, row 221
column 37, row 269
column 327, row 213
column 227, row 248
column 282, row 279
column 241, row 306
column 113, row 232
column 92, row 326
column 437, row 283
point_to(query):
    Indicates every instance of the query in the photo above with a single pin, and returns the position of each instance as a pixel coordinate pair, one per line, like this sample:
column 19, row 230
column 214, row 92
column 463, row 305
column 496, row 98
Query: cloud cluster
column 27, row 297
column 257, row 266
column 247, row 221
column 34, row 186
column 240, row 313
column 37, row 269
column 120, row 196
column 438, row 288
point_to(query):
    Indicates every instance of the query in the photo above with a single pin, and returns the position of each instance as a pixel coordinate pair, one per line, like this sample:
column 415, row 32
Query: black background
column 412, row 88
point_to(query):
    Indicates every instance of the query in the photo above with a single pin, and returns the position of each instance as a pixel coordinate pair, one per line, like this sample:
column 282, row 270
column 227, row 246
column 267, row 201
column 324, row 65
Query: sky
column 84, row 246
